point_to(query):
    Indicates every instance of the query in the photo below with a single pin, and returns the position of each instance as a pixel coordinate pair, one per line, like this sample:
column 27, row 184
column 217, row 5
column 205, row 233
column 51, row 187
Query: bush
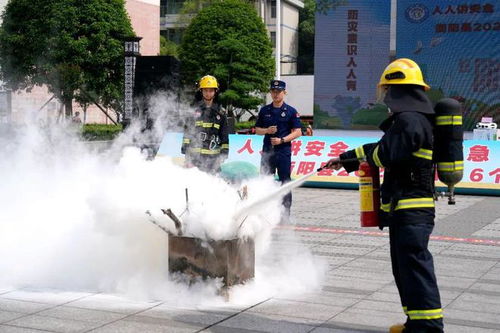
column 96, row 132
column 244, row 125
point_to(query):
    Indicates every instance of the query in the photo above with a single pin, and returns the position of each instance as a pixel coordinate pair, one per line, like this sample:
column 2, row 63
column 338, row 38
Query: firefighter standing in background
column 280, row 125
column 407, row 203
column 206, row 140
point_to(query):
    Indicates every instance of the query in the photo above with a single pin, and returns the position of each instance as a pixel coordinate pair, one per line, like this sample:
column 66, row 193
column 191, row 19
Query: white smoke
column 74, row 219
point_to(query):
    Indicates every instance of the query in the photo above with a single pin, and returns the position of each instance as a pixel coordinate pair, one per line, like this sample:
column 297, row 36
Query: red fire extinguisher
column 369, row 194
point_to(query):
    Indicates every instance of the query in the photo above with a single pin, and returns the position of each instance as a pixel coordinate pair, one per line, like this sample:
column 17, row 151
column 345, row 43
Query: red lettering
column 352, row 38
column 296, row 144
column 352, row 14
column 466, row 27
column 495, row 172
column 337, row 148
column 453, row 27
column 440, row 28
column 247, row 146
column 476, row 8
column 478, row 153
column 325, row 172
column 292, row 165
column 488, row 8
column 343, row 173
column 314, row 148
column 462, row 9
column 351, row 85
column 476, row 175
column 305, row 168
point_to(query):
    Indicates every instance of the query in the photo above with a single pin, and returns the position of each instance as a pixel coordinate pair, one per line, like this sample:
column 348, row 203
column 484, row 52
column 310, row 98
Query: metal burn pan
column 232, row 260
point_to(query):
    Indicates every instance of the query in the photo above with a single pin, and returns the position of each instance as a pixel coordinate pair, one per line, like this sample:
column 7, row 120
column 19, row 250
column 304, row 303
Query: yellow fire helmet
column 208, row 81
column 403, row 71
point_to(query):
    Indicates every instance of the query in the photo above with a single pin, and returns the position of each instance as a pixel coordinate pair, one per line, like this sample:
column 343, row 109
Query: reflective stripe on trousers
column 409, row 203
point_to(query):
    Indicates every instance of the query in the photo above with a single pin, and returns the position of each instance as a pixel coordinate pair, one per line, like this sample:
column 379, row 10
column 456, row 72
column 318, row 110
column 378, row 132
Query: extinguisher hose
column 348, row 160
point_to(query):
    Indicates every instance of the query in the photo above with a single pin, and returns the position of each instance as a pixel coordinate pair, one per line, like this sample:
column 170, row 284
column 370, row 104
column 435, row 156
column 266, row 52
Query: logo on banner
column 417, row 13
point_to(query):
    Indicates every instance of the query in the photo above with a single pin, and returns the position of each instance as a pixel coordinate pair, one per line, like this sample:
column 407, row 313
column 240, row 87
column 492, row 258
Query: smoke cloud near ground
column 72, row 218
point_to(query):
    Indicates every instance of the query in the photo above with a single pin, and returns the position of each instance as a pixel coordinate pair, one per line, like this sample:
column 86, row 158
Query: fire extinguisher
column 369, row 194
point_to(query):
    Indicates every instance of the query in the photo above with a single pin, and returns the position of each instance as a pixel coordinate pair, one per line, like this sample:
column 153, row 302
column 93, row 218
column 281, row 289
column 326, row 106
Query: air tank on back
column 448, row 144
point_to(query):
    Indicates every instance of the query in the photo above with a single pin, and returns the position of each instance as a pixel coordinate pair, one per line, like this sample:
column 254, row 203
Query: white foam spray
column 74, row 219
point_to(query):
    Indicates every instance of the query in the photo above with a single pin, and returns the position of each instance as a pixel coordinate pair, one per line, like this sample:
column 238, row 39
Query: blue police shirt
column 285, row 118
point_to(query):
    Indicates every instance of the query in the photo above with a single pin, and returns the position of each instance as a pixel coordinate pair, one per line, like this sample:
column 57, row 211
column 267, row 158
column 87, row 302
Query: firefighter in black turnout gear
column 407, row 192
column 206, row 140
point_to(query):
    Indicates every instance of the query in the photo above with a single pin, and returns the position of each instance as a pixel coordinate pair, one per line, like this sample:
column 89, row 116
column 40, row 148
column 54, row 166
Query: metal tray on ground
column 232, row 260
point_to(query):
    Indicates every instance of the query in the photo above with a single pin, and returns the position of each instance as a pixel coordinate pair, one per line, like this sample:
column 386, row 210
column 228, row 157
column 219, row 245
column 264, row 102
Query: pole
column 278, row 39
column 97, row 104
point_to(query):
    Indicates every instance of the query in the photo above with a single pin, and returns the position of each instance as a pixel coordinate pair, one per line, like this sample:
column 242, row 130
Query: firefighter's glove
column 334, row 163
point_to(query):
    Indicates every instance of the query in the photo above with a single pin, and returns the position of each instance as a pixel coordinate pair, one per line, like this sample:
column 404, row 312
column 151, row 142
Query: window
column 273, row 8
column 273, row 38
column 174, row 35
column 169, row 7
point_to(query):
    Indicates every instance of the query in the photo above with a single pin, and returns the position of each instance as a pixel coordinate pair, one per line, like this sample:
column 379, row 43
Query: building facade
column 267, row 10
column 40, row 106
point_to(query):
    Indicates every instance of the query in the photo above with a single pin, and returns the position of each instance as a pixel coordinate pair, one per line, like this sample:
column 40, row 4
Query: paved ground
column 358, row 294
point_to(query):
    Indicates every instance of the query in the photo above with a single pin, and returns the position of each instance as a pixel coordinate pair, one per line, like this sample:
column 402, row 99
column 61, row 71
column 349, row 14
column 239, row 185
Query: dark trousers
column 413, row 270
column 207, row 163
column 281, row 161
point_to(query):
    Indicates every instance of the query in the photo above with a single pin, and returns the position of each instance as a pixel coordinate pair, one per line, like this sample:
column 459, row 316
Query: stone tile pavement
column 358, row 294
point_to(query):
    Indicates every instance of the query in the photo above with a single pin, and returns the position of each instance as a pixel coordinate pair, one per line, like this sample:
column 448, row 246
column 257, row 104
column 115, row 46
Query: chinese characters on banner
column 482, row 161
column 481, row 158
column 352, row 48
column 465, row 10
column 476, row 155
column 456, row 43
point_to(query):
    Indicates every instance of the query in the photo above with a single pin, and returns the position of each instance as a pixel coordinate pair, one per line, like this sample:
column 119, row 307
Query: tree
column 306, row 37
column 66, row 45
column 228, row 40
column 168, row 48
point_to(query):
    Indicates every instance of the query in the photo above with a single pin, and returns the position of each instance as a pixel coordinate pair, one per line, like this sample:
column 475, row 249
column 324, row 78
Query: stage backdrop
column 351, row 51
column 481, row 159
column 457, row 45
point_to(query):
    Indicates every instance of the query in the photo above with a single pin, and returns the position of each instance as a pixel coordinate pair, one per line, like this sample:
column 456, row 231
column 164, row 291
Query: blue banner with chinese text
column 457, row 45
column 481, row 158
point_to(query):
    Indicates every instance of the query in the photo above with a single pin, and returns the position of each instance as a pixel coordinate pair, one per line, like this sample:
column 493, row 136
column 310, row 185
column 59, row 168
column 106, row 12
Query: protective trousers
column 413, row 269
column 281, row 160
column 207, row 163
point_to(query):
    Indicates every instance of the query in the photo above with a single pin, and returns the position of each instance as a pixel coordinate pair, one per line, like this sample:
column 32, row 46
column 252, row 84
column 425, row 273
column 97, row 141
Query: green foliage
column 65, row 44
column 228, row 40
column 306, row 37
column 369, row 118
column 244, row 125
column 324, row 6
column 168, row 48
column 96, row 132
column 323, row 120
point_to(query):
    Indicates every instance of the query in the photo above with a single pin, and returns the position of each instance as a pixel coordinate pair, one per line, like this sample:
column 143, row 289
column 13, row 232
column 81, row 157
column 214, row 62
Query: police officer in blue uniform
column 280, row 125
